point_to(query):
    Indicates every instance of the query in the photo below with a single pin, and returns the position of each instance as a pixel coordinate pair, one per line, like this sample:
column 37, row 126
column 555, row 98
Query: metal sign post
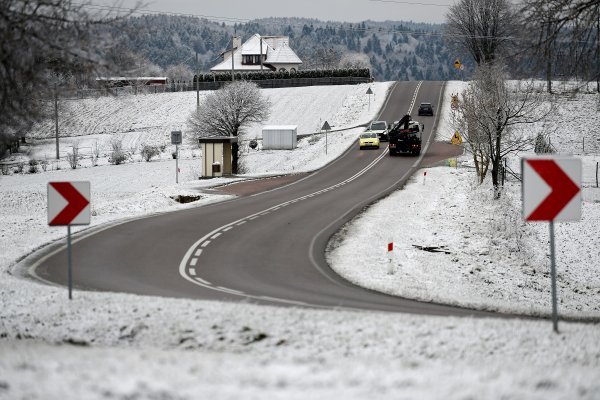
column 326, row 128
column 369, row 92
column 176, row 138
column 76, row 211
column 551, row 191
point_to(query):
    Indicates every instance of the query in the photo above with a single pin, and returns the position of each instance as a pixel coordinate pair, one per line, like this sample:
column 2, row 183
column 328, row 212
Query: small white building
column 279, row 137
column 259, row 53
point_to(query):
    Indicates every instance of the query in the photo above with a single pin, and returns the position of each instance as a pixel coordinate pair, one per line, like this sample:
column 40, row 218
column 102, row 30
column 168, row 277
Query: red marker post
column 69, row 204
column 551, row 191
column 390, row 252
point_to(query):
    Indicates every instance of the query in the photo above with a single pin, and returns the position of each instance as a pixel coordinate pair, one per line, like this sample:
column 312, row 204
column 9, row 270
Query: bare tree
column 39, row 38
column 483, row 28
column 355, row 60
column 492, row 107
column 228, row 111
column 564, row 24
column 179, row 73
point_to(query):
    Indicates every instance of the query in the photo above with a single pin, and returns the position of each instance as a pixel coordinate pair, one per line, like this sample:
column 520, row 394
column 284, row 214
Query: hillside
column 397, row 50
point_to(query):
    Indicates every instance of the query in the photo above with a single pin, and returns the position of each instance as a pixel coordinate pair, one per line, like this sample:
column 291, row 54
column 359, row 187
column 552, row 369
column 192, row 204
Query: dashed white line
column 228, row 228
column 198, row 252
column 216, row 235
column 192, row 271
column 254, row 217
column 241, row 223
column 193, row 261
column 206, row 243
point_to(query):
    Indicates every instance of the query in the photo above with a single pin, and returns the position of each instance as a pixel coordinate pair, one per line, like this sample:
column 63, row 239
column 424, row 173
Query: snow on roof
column 252, row 46
column 276, row 48
column 279, row 127
column 283, row 55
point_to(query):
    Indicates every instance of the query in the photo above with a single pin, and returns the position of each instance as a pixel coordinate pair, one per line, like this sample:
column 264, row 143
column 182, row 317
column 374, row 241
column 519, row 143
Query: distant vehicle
column 368, row 139
column 405, row 137
column 380, row 128
column 425, row 109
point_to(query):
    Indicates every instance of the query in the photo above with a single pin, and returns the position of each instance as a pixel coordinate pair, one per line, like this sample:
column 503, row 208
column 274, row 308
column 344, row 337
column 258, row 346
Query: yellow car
column 368, row 139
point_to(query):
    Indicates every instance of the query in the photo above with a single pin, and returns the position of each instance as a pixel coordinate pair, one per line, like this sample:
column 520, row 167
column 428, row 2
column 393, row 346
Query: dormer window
column 251, row 59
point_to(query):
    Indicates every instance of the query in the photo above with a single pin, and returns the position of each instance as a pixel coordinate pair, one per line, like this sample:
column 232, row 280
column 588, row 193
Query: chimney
column 237, row 42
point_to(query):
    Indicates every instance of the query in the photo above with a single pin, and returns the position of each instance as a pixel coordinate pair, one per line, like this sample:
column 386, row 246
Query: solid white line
column 241, row 222
column 207, row 283
column 254, row 217
column 193, row 261
column 233, row 291
column 216, row 235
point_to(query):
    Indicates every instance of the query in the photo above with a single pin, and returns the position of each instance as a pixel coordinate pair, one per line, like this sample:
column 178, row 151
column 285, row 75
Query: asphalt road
column 267, row 247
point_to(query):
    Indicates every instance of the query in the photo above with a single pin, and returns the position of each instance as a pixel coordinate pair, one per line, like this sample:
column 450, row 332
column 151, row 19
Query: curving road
column 268, row 247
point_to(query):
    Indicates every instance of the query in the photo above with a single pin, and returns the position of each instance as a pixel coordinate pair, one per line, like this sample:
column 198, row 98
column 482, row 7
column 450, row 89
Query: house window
column 251, row 60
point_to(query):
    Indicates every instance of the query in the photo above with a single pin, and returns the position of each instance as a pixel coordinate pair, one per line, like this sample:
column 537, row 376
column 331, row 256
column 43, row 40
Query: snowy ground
column 117, row 346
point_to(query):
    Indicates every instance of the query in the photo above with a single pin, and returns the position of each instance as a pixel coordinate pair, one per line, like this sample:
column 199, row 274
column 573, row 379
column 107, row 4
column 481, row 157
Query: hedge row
column 257, row 76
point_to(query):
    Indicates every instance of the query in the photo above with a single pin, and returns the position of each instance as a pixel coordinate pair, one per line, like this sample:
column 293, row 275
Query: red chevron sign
column 551, row 189
column 68, row 203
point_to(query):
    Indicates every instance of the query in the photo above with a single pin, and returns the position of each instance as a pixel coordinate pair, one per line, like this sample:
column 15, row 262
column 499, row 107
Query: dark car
column 425, row 109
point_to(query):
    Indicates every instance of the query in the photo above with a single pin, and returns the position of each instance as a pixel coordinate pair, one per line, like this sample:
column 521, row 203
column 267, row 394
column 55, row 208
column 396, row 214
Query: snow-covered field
column 119, row 346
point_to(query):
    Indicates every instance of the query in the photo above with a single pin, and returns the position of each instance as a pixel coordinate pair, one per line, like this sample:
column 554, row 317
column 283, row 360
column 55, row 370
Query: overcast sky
column 431, row 11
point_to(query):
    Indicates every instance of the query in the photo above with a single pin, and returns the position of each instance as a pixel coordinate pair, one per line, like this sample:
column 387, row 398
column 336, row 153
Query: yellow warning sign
column 456, row 138
column 457, row 64
column 454, row 101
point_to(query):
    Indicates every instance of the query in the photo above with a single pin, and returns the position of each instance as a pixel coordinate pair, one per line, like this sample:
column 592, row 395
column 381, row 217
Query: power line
column 412, row 3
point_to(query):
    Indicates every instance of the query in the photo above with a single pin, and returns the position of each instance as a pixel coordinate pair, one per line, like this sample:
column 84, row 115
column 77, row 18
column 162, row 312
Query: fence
column 192, row 86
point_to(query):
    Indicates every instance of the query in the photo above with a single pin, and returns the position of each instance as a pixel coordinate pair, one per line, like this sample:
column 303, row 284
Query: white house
column 274, row 52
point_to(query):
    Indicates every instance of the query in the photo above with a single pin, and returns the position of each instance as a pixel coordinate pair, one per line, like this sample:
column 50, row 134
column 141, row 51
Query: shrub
column 148, row 152
column 117, row 155
column 73, row 157
column 33, row 166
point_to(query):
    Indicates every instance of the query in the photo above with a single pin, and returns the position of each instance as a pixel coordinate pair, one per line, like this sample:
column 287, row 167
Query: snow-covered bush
column 117, row 156
column 73, row 157
column 149, row 152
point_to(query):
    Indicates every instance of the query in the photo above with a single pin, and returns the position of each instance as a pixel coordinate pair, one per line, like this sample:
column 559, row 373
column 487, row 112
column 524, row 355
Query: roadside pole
column 75, row 212
column 563, row 176
column 553, row 274
column 70, row 268
column 176, row 139
column 326, row 128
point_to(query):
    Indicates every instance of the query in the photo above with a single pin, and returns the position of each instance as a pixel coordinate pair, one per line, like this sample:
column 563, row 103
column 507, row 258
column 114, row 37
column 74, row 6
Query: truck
column 405, row 136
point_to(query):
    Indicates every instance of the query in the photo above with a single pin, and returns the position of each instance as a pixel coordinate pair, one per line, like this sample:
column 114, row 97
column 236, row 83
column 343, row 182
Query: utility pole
column 197, row 82
column 56, row 118
column 261, row 56
column 232, row 48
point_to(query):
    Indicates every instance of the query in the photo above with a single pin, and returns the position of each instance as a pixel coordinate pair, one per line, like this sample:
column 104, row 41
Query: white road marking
column 193, row 261
column 216, row 235
column 203, row 242
column 192, row 270
column 207, row 283
column 254, row 217
column 233, row 291
column 228, row 228
column 198, row 252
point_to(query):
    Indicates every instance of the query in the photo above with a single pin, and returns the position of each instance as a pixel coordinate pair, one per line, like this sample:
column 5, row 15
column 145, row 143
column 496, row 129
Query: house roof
column 276, row 49
column 283, row 55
